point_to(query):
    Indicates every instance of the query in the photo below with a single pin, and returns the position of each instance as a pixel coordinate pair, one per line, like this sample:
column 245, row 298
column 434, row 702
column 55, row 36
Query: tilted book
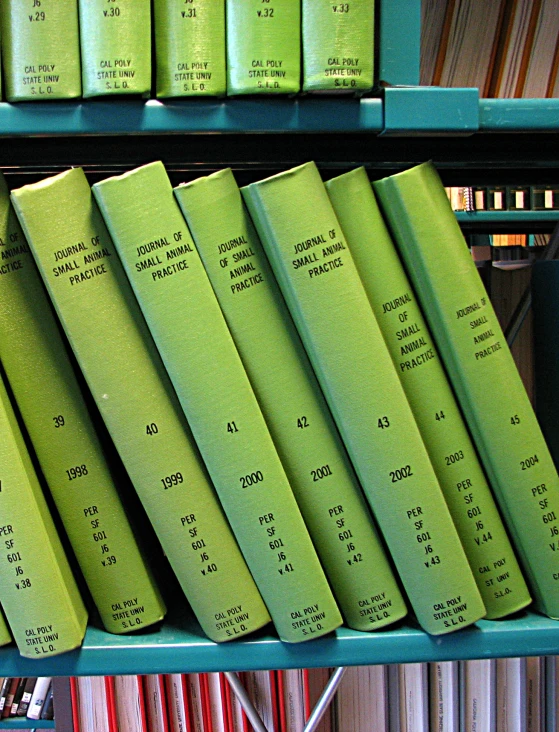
column 338, row 45
column 115, row 42
column 263, row 46
column 37, row 590
column 107, row 332
column 482, row 371
column 40, row 49
column 432, row 401
column 70, row 455
column 321, row 285
column 191, row 334
column 189, row 48
column 297, row 415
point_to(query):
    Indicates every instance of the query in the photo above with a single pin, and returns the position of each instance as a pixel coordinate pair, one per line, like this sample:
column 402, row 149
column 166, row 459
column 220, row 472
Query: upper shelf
column 404, row 111
column 180, row 646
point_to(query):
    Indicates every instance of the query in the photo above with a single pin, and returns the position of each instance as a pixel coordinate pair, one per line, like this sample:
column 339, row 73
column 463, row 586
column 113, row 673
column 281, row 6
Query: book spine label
column 189, row 48
column 128, row 381
column 263, row 46
column 309, row 256
column 64, row 439
column 300, row 423
column 40, row 47
column 38, row 592
column 338, row 46
column 482, row 370
column 115, row 46
column 433, row 404
column 184, row 317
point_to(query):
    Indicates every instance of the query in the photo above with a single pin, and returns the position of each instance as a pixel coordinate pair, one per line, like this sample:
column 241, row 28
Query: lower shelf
column 180, row 646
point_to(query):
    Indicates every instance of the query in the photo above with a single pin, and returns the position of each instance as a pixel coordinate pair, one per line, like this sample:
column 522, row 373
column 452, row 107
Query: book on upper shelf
column 263, row 46
column 40, row 49
column 189, row 48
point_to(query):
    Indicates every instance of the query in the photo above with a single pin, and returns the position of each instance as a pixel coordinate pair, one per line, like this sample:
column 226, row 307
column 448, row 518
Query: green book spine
column 5, row 635
column 115, row 42
column 189, row 48
column 263, row 46
column 482, row 371
column 433, row 404
column 300, row 423
column 40, row 49
column 67, row 447
column 37, row 590
column 120, row 362
column 184, row 317
column 338, row 45
column 309, row 256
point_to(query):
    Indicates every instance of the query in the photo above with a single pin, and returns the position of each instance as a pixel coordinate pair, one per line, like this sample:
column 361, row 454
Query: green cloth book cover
column 40, row 49
column 309, row 446
column 115, row 42
column 189, row 48
column 38, row 592
column 482, row 371
column 70, row 455
column 338, row 46
column 189, row 329
column 313, row 266
column 432, row 401
column 263, row 46
column 108, row 334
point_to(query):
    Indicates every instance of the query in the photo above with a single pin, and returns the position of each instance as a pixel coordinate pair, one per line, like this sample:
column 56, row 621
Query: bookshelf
column 24, row 723
column 489, row 141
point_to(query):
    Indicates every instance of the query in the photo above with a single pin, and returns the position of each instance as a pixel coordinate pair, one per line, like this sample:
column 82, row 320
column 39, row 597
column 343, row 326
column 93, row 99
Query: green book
column 482, row 371
column 115, row 42
column 37, row 590
column 108, row 334
column 432, row 401
column 40, row 49
column 189, row 48
column 68, row 450
column 338, row 45
column 263, row 46
column 300, row 423
column 5, row 635
column 187, row 324
column 314, row 269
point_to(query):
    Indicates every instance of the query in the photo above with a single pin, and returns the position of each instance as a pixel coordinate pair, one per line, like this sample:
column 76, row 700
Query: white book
column 293, row 699
column 177, row 702
column 477, row 696
column 551, row 695
column 511, row 694
column 195, row 693
column 39, row 695
column 129, row 703
column 156, row 703
column 414, row 697
column 260, row 687
column 444, row 696
column 216, row 691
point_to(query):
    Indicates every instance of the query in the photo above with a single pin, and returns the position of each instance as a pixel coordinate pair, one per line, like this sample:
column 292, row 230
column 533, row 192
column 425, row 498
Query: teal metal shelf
column 508, row 217
column 24, row 723
column 180, row 646
column 519, row 115
column 307, row 114
column 430, row 110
